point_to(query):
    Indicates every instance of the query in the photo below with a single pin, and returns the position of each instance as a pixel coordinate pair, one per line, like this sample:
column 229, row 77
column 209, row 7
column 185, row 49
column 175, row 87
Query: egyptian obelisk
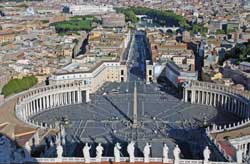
column 135, row 108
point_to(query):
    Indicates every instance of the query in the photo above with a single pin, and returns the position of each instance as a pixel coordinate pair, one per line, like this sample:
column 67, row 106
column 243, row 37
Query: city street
column 137, row 62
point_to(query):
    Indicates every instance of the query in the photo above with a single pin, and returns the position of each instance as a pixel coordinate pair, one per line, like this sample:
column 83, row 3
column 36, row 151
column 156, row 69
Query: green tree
column 76, row 23
column 18, row 85
column 199, row 28
column 240, row 52
column 167, row 17
column 220, row 31
column 230, row 30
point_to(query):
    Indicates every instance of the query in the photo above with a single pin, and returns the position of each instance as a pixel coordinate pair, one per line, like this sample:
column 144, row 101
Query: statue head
column 165, row 146
column 117, row 144
column 177, row 152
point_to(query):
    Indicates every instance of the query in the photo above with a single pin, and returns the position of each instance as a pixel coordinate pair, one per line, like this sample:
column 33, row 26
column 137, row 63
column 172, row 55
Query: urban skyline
column 125, row 81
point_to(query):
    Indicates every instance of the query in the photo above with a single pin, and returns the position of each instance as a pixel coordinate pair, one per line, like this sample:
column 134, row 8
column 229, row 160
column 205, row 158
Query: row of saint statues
column 131, row 152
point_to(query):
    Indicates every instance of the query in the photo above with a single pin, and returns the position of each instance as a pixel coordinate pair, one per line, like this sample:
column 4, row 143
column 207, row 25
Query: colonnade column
column 239, row 107
column 199, row 97
column 54, row 100
column 202, row 97
column 215, row 98
column 40, row 104
column 36, row 109
column 70, row 99
column 73, row 96
column 185, row 95
column 211, row 99
column 47, row 102
column 207, row 97
column 65, row 96
column 243, row 147
column 44, row 103
column 222, row 101
column 229, row 104
column 26, row 111
column 192, row 96
column 79, row 94
column 87, row 96
column 60, row 98
column 29, row 111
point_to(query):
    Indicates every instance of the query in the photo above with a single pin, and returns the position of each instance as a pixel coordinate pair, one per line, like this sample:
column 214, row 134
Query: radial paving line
column 172, row 108
column 103, row 109
column 77, row 128
column 94, row 112
column 83, row 128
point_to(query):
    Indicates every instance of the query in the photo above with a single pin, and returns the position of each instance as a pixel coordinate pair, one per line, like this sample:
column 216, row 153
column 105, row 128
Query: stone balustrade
column 123, row 159
column 233, row 126
column 37, row 100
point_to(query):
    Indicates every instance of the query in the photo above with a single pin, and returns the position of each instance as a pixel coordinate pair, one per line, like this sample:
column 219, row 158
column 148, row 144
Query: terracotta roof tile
column 229, row 150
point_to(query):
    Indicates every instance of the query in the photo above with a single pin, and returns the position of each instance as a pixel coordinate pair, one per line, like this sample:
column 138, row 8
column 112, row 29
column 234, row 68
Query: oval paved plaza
column 162, row 118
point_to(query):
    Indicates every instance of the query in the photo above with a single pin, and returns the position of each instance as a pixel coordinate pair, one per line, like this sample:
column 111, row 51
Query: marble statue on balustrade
column 146, row 152
column 59, row 151
column 177, row 153
column 27, row 150
column 239, row 158
column 58, row 139
column 63, row 133
column 99, row 151
column 165, row 153
column 206, row 155
column 117, row 153
column 86, row 154
column 131, row 151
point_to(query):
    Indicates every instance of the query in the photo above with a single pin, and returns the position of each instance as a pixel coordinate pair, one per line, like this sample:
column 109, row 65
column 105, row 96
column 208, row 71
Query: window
column 122, row 72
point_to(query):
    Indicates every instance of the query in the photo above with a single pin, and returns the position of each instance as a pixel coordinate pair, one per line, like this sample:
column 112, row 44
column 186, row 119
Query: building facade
column 90, row 9
column 95, row 78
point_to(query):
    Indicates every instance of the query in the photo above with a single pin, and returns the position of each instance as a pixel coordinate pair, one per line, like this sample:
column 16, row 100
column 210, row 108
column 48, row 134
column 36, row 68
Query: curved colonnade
column 35, row 101
column 223, row 98
column 220, row 96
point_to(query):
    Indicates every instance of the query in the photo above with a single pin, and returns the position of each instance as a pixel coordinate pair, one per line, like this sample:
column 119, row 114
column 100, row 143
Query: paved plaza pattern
column 162, row 118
